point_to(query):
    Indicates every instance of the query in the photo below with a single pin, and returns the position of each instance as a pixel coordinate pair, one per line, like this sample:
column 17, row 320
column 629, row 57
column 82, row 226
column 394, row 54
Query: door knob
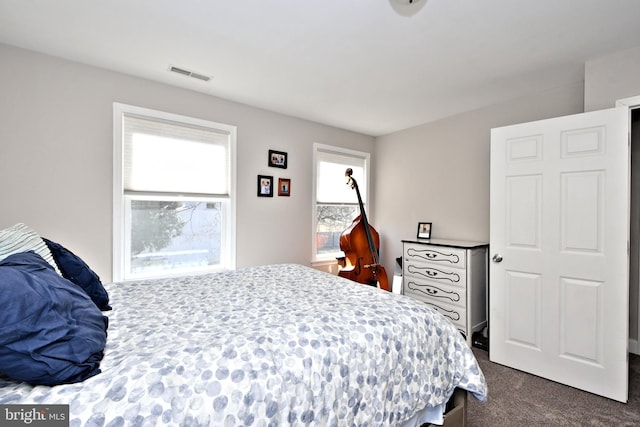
column 497, row 258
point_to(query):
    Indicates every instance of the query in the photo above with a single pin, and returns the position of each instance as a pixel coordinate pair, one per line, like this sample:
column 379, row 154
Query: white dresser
column 450, row 276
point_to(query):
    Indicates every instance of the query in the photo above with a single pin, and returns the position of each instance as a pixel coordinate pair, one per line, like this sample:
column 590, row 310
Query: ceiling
column 371, row 66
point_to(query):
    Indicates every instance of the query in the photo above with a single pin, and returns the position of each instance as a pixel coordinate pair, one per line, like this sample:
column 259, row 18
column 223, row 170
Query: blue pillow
column 76, row 270
column 50, row 330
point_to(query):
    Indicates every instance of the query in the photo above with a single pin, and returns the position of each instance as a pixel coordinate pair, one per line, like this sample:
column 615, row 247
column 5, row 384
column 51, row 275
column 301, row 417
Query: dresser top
column 464, row 244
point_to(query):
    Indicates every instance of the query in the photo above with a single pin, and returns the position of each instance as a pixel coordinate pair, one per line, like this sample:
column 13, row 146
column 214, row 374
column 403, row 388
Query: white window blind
column 331, row 183
column 174, row 194
column 162, row 156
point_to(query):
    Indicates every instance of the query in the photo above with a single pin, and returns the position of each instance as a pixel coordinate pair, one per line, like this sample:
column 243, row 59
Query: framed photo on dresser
column 424, row 230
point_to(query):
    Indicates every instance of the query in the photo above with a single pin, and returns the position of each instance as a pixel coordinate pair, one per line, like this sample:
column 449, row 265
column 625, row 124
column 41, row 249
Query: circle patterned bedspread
column 265, row 346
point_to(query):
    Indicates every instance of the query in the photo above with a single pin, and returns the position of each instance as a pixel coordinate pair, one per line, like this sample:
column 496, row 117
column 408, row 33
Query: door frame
column 633, row 103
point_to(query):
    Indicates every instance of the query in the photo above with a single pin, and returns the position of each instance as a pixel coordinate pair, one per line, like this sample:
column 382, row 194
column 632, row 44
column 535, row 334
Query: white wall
column 610, row 78
column 439, row 172
column 56, row 145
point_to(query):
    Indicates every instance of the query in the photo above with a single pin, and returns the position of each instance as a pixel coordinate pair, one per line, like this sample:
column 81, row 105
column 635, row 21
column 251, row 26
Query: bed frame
column 456, row 412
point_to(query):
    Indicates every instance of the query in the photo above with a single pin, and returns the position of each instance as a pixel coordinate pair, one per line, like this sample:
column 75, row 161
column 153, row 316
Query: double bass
column 360, row 244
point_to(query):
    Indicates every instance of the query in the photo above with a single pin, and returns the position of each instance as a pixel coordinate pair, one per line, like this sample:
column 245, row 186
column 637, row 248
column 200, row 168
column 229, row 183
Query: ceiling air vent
column 189, row 73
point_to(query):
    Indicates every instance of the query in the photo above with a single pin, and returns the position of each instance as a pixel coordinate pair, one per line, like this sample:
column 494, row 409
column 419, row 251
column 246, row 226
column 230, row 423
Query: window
column 174, row 204
column 335, row 202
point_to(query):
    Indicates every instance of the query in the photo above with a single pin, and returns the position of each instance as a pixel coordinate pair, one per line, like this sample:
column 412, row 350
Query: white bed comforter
column 265, row 346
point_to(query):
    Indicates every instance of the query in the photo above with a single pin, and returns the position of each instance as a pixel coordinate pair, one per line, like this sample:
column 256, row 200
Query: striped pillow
column 21, row 238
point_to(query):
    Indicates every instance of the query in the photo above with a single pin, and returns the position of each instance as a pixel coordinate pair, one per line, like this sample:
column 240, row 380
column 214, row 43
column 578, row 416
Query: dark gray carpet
column 520, row 399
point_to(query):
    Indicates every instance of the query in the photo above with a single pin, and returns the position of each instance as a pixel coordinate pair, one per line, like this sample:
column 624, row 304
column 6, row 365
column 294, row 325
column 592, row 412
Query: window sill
column 328, row 265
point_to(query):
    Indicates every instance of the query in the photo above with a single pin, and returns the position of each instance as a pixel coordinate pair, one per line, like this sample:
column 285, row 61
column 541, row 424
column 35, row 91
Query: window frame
column 346, row 152
column 121, row 198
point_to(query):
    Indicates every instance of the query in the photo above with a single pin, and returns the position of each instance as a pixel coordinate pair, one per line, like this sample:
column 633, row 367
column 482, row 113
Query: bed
column 264, row 346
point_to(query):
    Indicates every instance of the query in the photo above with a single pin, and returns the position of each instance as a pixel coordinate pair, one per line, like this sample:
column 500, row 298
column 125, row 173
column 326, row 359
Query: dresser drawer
column 456, row 315
column 436, row 292
column 440, row 255
column 440, row 274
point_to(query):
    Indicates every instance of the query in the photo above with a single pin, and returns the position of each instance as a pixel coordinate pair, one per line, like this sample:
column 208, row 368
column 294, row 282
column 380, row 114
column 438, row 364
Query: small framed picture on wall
column 265, row 186
column 424, row 230
column 284, row 187
column 277, row 159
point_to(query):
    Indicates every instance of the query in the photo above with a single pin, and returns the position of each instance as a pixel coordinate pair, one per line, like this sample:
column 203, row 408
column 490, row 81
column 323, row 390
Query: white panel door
column 559, row 233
